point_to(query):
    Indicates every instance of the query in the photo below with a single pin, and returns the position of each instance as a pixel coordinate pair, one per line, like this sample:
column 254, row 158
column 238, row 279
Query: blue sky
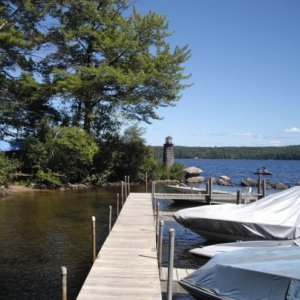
column 245, row 69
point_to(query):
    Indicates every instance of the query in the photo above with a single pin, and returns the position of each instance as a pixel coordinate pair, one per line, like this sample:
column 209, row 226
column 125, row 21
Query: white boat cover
column 212, row 250
column 275, row 217
column 262, row 273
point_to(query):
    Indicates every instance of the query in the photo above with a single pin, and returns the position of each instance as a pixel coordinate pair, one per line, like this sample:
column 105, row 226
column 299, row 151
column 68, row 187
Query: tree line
column 76, row 77
column 286, row 152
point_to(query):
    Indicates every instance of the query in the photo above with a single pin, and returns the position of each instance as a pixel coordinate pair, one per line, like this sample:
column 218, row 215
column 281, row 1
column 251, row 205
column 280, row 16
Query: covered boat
column 212, row 250
column 261, row 273
column 181, row 188
column 275, row 217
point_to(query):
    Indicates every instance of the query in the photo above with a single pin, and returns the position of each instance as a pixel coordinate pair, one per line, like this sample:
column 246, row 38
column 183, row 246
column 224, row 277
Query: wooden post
column 238, row 196
column 264, row 188
column 118, row 204
column 211, row 188
column 171, row 263
column 160, row 241
column 94, row 238
column 259, row 186
column 210, row 192
column 64, row 283
column 110, row 219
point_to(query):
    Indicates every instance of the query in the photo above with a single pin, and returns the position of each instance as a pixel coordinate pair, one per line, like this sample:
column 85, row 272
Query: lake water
column 42, row 231
column 285, row 171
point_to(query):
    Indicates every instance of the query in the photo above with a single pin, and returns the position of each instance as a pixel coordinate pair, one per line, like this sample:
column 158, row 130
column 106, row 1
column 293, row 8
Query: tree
column 110, row 62
column 24, row 100
column 65, row 155
column 7, row 167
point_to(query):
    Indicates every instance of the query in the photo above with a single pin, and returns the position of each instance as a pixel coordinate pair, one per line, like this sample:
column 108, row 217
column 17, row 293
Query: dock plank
column 126, row 266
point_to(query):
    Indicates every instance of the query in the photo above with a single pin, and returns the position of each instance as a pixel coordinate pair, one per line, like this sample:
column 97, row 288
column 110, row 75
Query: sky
column 245, row 71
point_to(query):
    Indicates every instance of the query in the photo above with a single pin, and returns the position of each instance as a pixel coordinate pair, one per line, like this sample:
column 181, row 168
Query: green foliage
column 123, row 155
column 287, row 152
column 48, row 178
column 66, row 155
column 99, row 59
column 94, row 65
column 160, row 172
column 7, row 167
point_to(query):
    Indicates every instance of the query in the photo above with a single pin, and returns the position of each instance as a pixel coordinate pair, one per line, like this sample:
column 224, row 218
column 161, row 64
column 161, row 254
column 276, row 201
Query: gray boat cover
column 275, row 217
column 271, row 273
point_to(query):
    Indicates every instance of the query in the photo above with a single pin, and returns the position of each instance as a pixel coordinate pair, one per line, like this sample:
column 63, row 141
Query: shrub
column 65, row 155
column 7, row 167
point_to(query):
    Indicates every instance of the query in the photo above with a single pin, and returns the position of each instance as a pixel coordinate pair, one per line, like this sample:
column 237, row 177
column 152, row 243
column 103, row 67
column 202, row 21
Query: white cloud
column 292, row 129
column 203, row 133
column 246, row 134
column 275, row 143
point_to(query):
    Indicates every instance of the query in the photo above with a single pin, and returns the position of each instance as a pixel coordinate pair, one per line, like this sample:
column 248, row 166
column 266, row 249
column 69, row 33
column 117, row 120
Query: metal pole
column 171, row 262
column 128, row 179
column 118, row 204
column 94, row 238
column 64, row 283
column 110, row 219
column 157, row 221
column 146, row 182
column 122, row 192
column 125, row 187
column 160, row 241
column 153, row 198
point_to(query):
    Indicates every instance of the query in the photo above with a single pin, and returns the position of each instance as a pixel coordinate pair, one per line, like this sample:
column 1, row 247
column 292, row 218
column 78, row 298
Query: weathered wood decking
column 126, row 266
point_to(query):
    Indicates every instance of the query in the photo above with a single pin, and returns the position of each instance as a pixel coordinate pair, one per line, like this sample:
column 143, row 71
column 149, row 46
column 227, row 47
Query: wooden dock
column 126, row 267
column 215, row 198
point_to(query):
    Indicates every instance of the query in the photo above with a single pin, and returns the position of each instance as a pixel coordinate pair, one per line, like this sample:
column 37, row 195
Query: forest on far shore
column 286, row 152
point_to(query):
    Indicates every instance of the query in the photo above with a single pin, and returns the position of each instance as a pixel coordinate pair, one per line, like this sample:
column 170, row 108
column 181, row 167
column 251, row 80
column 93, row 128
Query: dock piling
column 160, row 242
column 238, row 196
column 118, row 204
column 93, row 238
column 146, row 182
column 63, row 283
column 264, row 188
column 170, row 263
column 110, row 219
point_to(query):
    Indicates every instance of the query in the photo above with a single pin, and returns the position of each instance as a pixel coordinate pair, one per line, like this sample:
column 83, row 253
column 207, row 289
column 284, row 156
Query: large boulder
column 195, row 179
column 192, row 171
column 280, row 186
column 249, row 182
column 225, row 180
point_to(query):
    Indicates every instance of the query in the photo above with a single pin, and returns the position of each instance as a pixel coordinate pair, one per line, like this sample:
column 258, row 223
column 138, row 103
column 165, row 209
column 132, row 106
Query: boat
column 250, row 274
column 263, row 171
column 212, row 250
column 182, row 188
column 275, row 217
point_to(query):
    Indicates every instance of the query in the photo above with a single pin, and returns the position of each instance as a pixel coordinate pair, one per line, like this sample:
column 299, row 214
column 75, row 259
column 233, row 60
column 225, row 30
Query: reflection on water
column 42, row 231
